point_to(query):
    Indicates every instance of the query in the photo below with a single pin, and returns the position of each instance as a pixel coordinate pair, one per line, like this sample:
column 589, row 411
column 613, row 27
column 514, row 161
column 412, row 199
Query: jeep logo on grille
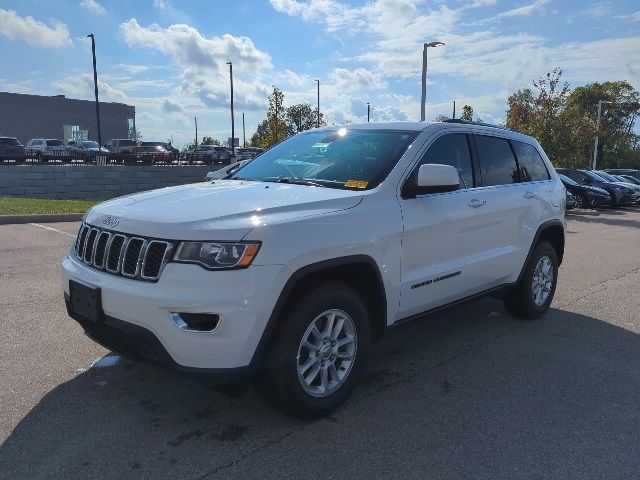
column 110, row 222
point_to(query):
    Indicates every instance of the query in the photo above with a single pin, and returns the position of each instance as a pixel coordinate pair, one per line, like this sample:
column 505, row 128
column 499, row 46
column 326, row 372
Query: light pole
column 318, row 119
column 244, row 137
column 595, row 148
column 368, row 112
column 424, row 75
column 95, row 84
column 233, row 126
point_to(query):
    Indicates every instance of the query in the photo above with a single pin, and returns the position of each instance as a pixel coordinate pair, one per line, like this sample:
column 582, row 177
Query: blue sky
column 168, row 57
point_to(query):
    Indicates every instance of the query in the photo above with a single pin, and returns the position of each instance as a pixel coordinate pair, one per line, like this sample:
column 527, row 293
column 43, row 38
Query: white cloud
column 161, row 4
column 93, row 6
column 523, row 11
column 131, row 69
column 598, row 10
column 32, row 31
column 357, row 79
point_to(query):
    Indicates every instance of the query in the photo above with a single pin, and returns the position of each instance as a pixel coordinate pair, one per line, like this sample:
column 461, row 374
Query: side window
column 452, row 149
column 497, row 162
column 532, row 167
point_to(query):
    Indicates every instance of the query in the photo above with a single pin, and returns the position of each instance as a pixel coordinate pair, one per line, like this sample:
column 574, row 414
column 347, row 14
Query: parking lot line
column 53, row 229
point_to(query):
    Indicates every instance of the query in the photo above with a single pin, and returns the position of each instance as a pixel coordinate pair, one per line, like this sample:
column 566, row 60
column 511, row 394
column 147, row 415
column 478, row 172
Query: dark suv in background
column 621, row 194
column 624, row 171
column 585, row 195
column 11, row 149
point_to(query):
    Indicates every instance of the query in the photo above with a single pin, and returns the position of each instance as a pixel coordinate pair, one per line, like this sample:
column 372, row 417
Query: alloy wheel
column 542, row 281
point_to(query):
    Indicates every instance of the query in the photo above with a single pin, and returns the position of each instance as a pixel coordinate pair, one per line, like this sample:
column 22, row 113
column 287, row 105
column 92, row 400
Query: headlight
column 217, row 255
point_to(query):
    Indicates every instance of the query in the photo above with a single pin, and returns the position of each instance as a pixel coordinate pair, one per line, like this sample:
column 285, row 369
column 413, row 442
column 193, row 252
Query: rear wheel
column 533, row 294
column 315, row 360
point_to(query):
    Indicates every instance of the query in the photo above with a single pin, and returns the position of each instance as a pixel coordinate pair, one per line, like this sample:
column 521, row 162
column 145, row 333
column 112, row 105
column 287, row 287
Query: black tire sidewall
column 526, row 293
column 293, row 400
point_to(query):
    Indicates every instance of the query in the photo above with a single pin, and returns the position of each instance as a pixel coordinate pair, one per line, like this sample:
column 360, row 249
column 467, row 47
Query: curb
column 19, row 219
column 574, row 211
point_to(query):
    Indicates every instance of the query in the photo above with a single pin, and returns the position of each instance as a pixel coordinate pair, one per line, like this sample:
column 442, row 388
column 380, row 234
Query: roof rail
column 469, row 122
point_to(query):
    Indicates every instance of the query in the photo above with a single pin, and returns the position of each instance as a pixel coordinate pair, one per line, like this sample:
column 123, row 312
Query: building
column 36, row 116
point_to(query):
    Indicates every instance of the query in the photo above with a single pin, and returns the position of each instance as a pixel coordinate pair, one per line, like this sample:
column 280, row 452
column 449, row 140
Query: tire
column 523, row 301
column 581, row 201
column 289, row 360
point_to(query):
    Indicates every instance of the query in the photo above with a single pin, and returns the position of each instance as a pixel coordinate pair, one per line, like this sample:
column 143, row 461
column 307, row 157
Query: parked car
column 628, row 178
column 620, row 194
column 244, row 153
column 292, row 277
column 119, row 146
column 624, row 171
column 570, row 202
column 85, row 150
column 166, row 145
column 210, row 154
column 611, row 178
column 227, row 171
column 585, row 195
column 45, row 149
column 12, row 149
column 150, row 154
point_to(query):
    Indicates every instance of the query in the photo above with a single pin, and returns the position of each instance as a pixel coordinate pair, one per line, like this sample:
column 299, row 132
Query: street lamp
column 233, row 127
column 368, row 112
column 95, row 84
column 318, row 119
column 595, row 148
column 424, row 75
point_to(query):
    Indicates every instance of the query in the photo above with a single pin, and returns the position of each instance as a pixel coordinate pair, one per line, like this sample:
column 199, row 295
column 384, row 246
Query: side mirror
column 432, row 178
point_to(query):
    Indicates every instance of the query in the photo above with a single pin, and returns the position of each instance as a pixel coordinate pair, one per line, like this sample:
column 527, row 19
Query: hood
column 224, row 209
column 595, row 190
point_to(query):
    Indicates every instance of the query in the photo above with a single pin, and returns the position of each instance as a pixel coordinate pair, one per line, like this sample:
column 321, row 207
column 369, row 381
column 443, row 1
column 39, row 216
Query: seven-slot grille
column 129, row 256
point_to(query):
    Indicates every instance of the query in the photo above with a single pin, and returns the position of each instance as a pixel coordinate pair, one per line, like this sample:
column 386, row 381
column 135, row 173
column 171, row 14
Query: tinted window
column 452, row 150
column 496, row 161
column 532, row 168
column 9, row 141
column 55, row 143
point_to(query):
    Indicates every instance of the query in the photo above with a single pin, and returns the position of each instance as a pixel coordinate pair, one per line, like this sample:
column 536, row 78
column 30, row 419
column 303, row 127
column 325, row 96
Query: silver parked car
column 45, row 149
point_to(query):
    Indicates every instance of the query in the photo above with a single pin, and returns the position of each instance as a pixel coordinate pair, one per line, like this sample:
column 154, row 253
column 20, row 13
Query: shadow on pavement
column 621, row 222
column 469, row 393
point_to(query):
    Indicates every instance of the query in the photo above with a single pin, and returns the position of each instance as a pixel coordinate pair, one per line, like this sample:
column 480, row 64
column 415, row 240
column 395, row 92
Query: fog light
column 195, row 322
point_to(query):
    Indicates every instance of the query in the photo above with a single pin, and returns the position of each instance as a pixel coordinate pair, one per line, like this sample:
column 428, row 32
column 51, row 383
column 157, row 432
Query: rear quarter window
column 532, row 167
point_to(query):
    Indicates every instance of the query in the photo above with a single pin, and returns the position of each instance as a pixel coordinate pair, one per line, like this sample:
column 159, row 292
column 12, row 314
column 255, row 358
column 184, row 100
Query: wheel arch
column 361, row 272
column 551, row 231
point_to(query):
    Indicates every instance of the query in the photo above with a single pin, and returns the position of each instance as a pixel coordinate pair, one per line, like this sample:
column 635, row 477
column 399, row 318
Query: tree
column 441, row 118
column 302, row 117
column 467, row 113
column 209, row 141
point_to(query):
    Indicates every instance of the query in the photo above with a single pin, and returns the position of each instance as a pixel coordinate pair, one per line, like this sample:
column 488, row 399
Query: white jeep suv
column 291, row 267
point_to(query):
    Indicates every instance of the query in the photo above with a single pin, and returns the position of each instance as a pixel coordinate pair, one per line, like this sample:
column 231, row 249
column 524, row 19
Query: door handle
column 529, row 195
column 475, row 203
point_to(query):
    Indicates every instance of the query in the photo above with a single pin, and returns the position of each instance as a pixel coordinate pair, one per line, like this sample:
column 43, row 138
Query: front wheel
column 533, row 294
column 315, row 361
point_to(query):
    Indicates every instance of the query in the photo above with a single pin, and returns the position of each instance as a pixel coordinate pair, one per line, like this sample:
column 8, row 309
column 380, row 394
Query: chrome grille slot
column 115, row 252
column 156, row 254
column 88, row 246
column 82, row 237
column 133, row 257
column 101, row 246
column 119, row 254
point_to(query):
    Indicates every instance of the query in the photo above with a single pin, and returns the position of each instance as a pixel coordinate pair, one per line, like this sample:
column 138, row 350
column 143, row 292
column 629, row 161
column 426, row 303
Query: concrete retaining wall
column 92, row 182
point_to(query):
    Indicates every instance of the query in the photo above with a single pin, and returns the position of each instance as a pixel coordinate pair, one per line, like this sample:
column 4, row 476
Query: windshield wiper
column 299, row 181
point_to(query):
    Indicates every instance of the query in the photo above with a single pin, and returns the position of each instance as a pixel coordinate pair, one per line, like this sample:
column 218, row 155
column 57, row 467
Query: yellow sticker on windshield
column 356, row 184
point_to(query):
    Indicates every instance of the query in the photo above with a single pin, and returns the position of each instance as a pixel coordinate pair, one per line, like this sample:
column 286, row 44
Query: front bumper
column 137, row 322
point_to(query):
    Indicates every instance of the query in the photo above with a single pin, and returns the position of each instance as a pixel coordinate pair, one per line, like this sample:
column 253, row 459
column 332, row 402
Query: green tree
column 274, row 128
column 467, row 113
column 302, row 117
column 209, row 141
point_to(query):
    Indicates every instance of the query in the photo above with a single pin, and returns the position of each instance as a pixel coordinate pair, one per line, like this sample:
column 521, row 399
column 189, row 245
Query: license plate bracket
column 86, row 301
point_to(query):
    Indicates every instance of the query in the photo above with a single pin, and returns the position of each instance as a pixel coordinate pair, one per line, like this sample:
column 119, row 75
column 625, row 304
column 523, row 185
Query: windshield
column 566, row 179
column 90, row 144
column 592, row 175
column 608, row 177
column 127, row 143
column 9, row 141
column 55, row 143
column 339, row 158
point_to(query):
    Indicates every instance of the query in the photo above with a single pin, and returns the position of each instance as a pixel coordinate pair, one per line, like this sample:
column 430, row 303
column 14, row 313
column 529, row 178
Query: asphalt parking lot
column 468, row 393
